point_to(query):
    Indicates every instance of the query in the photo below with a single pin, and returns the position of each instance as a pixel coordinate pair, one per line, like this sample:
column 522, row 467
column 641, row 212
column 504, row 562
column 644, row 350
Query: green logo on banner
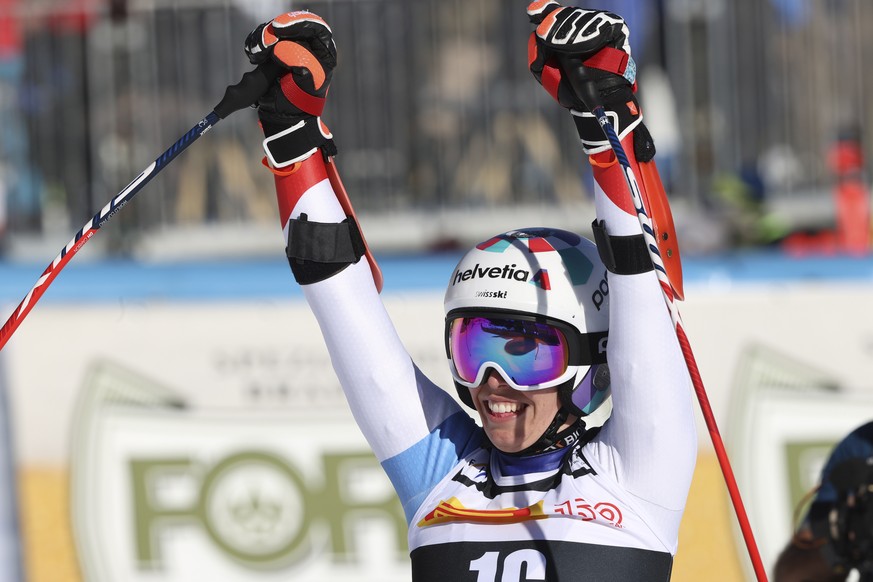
column 256, row 507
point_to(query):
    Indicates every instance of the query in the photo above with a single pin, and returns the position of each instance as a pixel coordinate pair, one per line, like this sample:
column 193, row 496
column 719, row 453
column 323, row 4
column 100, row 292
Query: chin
column 503, row 434
column 506, row 445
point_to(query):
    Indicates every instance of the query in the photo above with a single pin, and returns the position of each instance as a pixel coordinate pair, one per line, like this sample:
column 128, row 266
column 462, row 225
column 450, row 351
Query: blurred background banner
column 179, row 494
column 786, row 414
column 10, row 539
column 758, row 109
column 169, row 407
column 187, row 418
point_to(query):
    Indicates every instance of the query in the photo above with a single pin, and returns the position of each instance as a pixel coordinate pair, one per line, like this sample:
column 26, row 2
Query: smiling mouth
column 504, row 409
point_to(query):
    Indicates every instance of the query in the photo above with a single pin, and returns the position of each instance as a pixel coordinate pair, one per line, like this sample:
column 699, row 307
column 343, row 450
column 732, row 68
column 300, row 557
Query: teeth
column 503, row 407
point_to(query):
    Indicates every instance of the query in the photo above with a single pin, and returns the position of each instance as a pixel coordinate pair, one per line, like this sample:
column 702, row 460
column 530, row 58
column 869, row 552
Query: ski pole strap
column 298, row 142
column 311, row 104
column 624, row 116
column 622, row 255
column 319, row 250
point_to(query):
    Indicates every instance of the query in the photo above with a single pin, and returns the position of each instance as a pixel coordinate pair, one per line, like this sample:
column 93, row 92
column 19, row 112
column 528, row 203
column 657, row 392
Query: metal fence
column 432, row 105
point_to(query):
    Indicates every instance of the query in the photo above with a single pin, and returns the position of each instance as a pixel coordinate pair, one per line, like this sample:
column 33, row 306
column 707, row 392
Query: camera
column 847, row 523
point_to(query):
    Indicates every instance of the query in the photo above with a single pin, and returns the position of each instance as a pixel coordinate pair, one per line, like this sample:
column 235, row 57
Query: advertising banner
column 184, row 439
column 182, row 494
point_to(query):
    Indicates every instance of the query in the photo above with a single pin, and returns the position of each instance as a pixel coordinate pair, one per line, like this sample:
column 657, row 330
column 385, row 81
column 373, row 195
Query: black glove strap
column 622, row 255
column 296, row 143
column 590, row 132
column 319, row 250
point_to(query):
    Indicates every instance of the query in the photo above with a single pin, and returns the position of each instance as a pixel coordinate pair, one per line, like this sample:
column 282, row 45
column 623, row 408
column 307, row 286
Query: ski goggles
column 530, row 352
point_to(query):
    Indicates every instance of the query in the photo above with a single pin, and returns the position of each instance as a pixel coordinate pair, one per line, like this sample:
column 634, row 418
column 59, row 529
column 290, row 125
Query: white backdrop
column 103, row 388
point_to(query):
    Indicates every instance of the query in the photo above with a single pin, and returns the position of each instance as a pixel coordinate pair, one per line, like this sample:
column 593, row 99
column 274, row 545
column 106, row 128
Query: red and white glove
column 598, row 40
column 302, row 44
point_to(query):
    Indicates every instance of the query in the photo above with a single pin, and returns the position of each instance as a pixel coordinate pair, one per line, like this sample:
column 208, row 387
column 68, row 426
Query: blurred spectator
column 780, row 168
column 741, row 204
column 851, row 195
column 836, row 536
column 851, row 229
column 792, row 12
column 18, row 195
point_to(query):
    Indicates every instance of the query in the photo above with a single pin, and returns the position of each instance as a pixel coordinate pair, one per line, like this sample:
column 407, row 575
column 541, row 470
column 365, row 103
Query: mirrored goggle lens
column 529, row 352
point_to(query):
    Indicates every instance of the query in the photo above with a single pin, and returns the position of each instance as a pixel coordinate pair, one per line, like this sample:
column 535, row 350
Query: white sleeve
column 650, row 439
column 394, row 404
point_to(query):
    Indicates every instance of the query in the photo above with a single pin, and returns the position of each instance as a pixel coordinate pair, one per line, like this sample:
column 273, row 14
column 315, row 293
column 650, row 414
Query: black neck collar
column 553, row 439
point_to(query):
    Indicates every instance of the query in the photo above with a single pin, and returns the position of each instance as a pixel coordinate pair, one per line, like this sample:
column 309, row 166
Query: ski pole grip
column 580, row 79
column 250, row 88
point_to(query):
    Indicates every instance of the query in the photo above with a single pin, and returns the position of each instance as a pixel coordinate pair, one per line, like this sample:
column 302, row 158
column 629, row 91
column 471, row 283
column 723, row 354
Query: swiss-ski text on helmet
column 492, row 294
column 477, row 272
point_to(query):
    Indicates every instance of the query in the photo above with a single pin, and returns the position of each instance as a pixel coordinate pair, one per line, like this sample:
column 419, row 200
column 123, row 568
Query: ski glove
column 598, row 40
column 302, row 44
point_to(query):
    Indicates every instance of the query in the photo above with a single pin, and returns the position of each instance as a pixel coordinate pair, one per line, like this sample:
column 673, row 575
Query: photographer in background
column 837, row 535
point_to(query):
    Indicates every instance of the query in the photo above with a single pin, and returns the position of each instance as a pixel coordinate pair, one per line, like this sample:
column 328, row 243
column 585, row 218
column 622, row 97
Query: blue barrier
column 271, row 279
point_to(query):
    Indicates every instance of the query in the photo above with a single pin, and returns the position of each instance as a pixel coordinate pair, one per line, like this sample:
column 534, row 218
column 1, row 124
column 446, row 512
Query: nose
column 494, row 379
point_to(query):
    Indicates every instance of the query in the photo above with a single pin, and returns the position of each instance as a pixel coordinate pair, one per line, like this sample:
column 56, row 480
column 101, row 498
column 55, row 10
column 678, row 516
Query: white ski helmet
column 535, row 302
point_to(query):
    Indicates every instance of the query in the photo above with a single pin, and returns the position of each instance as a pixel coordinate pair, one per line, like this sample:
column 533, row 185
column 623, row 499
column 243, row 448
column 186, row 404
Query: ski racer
column 582, row 464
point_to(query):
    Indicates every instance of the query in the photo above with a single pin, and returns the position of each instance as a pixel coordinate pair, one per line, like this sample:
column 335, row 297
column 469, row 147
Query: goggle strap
column 595, row 345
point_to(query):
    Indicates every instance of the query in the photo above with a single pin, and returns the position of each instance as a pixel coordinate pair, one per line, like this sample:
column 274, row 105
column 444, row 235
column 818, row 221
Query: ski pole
column 585, row 88
column 252, row 85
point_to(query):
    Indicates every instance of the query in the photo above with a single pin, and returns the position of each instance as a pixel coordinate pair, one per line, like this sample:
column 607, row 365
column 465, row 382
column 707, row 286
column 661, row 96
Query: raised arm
column 415, row 429
column 650, row 439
